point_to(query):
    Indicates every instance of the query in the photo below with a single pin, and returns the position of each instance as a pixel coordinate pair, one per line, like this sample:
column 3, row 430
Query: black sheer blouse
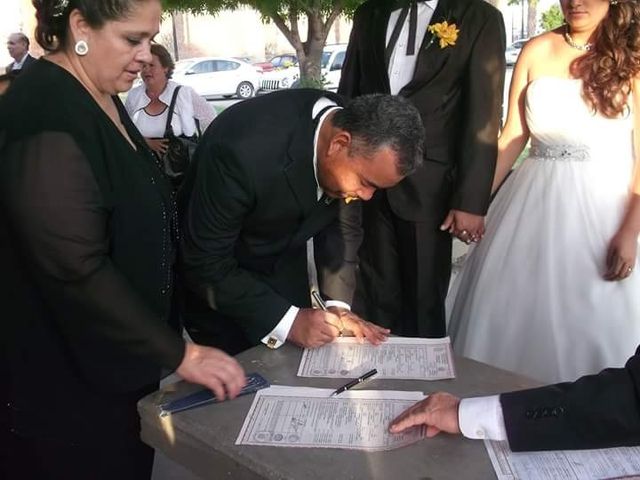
column 87, row 245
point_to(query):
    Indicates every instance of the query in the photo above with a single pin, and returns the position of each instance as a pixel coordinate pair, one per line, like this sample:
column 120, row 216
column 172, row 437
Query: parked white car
column 513, row 51
column 331, row 64
column 218, row 76
column 330, row 67
column 279, row 78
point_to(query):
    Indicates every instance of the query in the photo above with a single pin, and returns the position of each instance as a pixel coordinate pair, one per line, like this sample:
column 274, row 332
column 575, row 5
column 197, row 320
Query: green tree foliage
column 552, row 18
column 285, row 14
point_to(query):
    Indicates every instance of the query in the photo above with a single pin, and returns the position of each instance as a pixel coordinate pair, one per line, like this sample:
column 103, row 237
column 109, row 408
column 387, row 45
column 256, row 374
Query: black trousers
column 405, row 269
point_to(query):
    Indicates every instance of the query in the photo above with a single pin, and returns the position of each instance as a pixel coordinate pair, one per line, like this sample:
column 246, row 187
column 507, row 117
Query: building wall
column 238, row 33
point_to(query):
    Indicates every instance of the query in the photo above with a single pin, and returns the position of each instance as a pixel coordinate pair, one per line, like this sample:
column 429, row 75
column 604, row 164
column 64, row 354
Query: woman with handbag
column 169, row 116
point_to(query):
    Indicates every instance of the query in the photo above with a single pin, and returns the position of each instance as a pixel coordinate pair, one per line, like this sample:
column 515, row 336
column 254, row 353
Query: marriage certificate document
column 610, row 463
column 309, row 417
column 398, row 357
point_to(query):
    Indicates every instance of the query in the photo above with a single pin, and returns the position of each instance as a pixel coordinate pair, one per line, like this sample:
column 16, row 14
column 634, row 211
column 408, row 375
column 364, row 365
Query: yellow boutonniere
column 447, row 34
column 348, row 199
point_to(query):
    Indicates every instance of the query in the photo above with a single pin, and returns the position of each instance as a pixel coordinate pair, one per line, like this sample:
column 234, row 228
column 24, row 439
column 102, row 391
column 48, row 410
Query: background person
column 550, row 291
column 148, row 105
column 260, row 190
column 88, row 235
column 18, row 47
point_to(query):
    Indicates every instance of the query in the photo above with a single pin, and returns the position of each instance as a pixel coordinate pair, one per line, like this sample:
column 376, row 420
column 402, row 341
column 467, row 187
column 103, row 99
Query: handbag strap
column 172, row 106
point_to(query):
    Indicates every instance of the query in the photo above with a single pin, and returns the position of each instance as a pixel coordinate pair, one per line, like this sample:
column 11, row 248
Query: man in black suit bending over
column 447, row 58
column 265, row 185
column 596, row 411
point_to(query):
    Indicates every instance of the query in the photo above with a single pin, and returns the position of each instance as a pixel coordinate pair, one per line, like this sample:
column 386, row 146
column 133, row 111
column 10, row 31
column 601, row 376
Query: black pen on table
column 355, row 382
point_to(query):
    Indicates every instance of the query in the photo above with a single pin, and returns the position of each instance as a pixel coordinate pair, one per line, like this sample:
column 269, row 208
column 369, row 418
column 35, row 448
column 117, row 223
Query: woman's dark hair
column 608, row 69
column 53, row 17
column 164, row 56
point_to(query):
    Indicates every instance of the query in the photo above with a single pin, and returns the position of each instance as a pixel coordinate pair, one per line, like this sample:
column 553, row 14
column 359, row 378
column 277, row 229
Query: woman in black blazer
column 88, row 235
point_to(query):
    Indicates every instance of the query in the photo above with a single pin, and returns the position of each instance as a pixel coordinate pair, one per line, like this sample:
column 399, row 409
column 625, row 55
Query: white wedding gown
column 530, row 297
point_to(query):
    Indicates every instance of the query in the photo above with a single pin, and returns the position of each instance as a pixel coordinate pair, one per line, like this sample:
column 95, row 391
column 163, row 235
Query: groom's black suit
column 250, row 205
column 596, row 411
column 404, row 258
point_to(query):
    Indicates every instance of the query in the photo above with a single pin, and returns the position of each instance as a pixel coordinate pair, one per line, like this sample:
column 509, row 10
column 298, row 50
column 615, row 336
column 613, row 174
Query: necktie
column 413, row 26
column 412, row 11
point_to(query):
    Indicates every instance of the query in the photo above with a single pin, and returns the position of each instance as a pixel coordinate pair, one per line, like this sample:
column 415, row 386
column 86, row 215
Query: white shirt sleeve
column 276, row 337
column 338, row 303
column 481, row 418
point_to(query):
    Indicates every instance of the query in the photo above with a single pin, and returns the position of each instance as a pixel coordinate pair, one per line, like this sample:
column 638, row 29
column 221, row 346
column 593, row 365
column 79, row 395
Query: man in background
column 18, row 46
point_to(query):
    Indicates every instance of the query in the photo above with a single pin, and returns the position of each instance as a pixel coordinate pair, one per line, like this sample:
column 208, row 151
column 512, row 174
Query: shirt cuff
column 338, row 303
column 277, row 336
column 481, row 418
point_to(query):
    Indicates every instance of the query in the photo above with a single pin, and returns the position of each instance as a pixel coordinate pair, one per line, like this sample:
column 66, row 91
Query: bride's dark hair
column 608, row 69
column 53, row 16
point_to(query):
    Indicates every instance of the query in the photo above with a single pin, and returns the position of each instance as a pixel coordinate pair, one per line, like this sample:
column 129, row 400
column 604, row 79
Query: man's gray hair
column 21, row 37
column 376, row 121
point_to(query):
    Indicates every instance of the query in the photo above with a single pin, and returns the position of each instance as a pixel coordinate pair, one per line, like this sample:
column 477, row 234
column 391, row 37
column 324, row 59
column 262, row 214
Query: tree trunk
column 531, row 17
column 310, row 52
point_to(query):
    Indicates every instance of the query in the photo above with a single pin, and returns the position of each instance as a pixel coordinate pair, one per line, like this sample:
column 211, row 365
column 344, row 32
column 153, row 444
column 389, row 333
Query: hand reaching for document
column 439, row 412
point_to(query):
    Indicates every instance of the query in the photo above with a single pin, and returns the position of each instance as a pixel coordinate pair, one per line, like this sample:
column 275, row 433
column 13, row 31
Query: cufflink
column 272, row 342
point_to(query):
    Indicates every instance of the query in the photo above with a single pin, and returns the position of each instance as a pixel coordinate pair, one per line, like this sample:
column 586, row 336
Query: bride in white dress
column 550, row 291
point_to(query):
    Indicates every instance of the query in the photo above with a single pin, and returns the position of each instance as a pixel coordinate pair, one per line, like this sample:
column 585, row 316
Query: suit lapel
column 378, row 25
column 299, row 170
column 431, row 58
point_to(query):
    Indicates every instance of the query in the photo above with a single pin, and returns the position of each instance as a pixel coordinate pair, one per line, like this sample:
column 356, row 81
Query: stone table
column 203, row 439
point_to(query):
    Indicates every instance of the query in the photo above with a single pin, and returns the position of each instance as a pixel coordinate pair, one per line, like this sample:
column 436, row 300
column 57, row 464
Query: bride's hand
column 621, row 255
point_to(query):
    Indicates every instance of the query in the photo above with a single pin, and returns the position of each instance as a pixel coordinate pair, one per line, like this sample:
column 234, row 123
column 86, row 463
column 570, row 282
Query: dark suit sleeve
column 222, row 196
column 596, row 411
column 55, row 214
column 350, row 75
column 336, row 253
column 483, row 93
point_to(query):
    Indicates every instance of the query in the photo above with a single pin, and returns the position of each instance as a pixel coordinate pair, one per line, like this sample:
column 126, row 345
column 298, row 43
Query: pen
column 355, row 382
column 316, row 296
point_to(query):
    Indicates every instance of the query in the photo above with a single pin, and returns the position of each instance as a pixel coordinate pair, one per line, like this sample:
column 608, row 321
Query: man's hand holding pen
column 314, row 327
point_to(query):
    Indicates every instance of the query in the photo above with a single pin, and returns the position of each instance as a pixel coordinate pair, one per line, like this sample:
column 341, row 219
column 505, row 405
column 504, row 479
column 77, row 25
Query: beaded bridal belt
column 575, row 153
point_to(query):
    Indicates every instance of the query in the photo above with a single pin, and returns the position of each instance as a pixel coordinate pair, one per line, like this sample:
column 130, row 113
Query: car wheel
column 245, row 90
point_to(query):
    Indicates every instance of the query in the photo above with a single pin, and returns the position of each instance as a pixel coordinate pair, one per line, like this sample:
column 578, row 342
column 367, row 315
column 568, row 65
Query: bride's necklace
column 583, row 48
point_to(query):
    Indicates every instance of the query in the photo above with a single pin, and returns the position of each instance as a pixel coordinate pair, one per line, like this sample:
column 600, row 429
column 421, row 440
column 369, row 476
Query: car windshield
column 183, row 65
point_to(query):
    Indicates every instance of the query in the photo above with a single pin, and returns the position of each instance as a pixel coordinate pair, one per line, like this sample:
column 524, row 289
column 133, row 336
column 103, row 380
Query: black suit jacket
column 27, row 61
column 596, row 411
column 458, row 91
column 252, row 206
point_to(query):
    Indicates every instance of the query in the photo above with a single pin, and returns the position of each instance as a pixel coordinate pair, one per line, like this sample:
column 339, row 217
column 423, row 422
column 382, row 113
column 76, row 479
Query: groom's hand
column 314, row 327
column 354, row 326
column 468, row 227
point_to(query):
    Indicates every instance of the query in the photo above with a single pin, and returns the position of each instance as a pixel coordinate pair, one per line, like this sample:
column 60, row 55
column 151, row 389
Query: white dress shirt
column 401, row 65
column 18, row 65
column 279, row 334
column 481, row 418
